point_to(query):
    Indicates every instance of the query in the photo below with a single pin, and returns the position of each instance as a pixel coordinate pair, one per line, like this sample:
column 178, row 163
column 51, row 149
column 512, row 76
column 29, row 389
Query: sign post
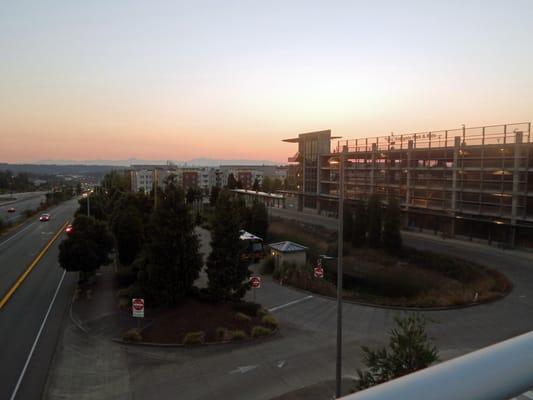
column 255, row 283
column 137, row 309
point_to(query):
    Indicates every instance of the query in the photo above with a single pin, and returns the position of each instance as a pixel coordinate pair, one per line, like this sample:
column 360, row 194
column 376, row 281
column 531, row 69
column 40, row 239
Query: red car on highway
column 11, row 209
column 44, row 217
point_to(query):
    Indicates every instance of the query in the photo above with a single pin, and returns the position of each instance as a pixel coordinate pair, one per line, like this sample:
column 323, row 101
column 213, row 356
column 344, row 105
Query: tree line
column 370, row 224
column 158, row 247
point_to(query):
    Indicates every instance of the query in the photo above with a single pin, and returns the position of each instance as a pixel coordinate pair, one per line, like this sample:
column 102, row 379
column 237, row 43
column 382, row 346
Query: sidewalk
column 87, row 358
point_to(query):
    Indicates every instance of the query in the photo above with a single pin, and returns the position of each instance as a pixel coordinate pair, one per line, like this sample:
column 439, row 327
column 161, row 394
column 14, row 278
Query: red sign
column 319, row 272
column 137, row 307
column 255, row 282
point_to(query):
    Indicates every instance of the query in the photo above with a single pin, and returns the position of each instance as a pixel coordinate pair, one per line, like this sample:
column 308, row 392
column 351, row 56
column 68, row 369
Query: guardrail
column 497, row 372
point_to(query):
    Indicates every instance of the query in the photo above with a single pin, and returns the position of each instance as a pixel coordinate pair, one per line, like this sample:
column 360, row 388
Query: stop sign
column 255, row 282
column 137, row 307
column 319, row 272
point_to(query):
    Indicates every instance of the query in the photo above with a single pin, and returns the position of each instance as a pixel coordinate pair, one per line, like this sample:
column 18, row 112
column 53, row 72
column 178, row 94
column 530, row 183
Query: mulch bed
column 171, row 325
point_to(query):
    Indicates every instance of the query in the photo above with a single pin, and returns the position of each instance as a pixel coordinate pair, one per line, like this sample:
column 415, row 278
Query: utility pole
column 88, row 204
column 338, row 369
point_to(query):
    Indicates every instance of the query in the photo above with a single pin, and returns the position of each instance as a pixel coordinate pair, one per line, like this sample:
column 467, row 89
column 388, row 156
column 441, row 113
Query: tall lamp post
column 338, row 368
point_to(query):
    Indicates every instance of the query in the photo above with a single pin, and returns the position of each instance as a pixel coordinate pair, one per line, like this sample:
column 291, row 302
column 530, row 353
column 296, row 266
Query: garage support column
column 516, row 185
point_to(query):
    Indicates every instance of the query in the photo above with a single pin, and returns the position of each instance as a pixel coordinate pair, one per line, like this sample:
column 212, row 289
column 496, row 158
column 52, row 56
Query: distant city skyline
column 166, row 80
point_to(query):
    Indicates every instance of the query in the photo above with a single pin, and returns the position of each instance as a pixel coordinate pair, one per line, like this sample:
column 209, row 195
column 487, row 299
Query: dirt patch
column 172, row 325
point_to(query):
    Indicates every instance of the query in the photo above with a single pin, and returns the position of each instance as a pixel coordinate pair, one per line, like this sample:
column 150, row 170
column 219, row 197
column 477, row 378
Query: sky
column 229, row 79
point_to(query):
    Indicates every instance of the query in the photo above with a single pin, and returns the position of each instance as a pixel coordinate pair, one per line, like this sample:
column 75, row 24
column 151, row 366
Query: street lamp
column 340, row 160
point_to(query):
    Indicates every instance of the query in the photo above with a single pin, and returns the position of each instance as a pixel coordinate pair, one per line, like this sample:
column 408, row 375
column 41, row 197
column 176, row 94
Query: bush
column 258, row 331
column 247, row 307
column 242, row 317
column 220, row 333
column 270, row 321
column 268, row 264
column 206, row 296
column 194, row 338
column 132, row 335
column 124, row 277
column 238, row 335
column 125, row 293
column 262, row 312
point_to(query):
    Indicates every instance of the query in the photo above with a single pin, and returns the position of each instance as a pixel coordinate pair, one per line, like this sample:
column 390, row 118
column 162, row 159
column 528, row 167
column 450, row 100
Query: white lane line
column 290, row 303
column 16, row 234
column 21, row 377
column 529, row 395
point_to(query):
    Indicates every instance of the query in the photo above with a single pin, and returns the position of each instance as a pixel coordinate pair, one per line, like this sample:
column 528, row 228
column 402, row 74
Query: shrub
column 132, row 335
column 270, row 321
column 124, row 293
column 242, row 317
column 262, row 312
column 238, row 335
column 247, row 307
column 220, row 333
column 206, row 296
column 124, row 277
column 258, row 331
column 194, row 338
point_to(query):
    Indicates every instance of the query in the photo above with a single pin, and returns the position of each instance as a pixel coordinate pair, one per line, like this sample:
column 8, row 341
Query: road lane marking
column 36, row 260
column 19, row 381
column 244, row 369
column 290, row 303
column 16, row 234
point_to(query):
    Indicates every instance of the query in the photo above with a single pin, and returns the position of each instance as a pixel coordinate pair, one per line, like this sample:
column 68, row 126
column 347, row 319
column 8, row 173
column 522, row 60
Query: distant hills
column 100, row 167
column 203, row 162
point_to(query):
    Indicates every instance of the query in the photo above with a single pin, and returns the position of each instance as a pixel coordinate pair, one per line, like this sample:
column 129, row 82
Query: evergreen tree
column 256, row 185
column 258, row 221
column 191, row 195
column 374, row 221
column 410, row 349
column 267, row 184
column 172, row 258
column 232, row 182
column 392, row 238
column 360, row 225
column 213, row 195
column 128, row 228
column 225, row 270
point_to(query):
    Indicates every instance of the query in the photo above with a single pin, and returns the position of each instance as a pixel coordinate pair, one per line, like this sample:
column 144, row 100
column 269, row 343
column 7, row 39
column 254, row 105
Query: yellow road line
column 36, row 260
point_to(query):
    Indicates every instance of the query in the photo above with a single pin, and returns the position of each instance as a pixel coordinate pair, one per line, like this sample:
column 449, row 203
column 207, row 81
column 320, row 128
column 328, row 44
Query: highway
column 23, row 202
column 34, row 296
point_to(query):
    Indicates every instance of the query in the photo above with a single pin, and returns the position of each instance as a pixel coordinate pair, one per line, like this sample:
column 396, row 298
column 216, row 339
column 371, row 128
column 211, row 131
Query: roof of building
column 287, row 247
column 258, row 193
column 248, row 236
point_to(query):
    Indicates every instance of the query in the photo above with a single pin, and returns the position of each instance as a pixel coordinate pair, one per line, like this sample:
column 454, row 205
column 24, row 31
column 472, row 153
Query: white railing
column 497, row 372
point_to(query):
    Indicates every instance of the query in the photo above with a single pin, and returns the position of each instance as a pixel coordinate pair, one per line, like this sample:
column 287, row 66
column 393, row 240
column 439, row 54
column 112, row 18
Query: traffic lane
column 20, row 207
column 11, row 198
column 20, row 321
column 17, row 252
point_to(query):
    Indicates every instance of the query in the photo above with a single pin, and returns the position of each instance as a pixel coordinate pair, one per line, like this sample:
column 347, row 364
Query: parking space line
column 290, row 303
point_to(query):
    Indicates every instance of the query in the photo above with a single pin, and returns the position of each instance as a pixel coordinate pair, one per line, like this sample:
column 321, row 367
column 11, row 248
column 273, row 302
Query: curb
column 404, row 308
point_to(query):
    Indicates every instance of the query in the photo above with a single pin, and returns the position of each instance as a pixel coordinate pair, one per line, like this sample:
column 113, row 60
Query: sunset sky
column 229, row 79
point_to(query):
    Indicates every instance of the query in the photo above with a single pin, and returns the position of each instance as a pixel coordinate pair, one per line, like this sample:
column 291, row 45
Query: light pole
column 88, row 207
column 338, row 368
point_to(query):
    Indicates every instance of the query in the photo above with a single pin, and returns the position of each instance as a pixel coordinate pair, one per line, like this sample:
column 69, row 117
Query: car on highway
column 69, row 228
column 44, row 217
column 11, row 210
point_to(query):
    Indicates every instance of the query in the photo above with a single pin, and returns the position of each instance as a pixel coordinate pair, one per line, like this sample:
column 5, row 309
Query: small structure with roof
column 288, row 252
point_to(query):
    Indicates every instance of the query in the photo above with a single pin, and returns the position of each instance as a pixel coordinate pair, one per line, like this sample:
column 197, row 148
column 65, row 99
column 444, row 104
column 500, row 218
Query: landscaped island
column 406, row 278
